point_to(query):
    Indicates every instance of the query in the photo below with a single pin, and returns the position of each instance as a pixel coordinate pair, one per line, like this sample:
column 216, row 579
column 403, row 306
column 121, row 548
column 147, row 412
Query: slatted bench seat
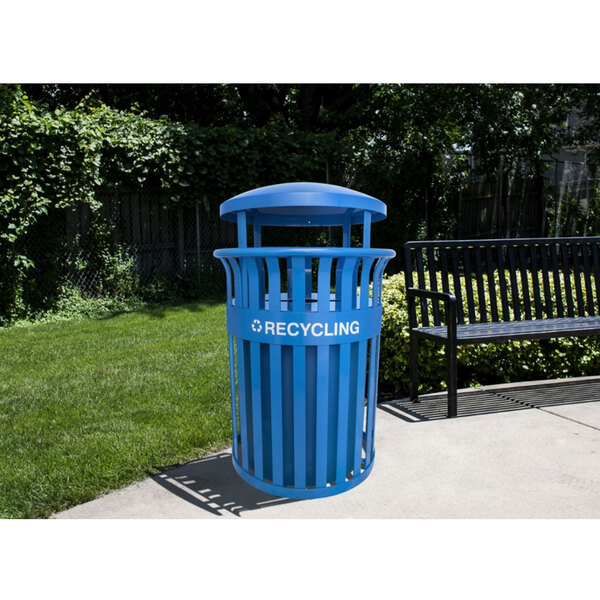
column 498, row 291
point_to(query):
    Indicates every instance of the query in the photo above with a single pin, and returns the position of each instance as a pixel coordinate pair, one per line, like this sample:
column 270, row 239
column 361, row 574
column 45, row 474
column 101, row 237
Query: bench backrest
column 507, row 279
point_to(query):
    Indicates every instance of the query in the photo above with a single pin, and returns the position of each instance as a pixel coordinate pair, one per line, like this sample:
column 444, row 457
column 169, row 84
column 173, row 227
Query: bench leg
column 414, row 368
column 452, row 378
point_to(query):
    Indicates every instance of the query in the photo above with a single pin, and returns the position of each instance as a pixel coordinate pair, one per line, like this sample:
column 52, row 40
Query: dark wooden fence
column 522, row 198
column 529, row 198
column 486, row 209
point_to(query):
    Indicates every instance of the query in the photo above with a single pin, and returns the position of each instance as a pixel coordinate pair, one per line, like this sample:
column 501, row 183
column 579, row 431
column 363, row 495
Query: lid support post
column 241, row 227
column 367, row 229
column 257, row 235
column 347, row 229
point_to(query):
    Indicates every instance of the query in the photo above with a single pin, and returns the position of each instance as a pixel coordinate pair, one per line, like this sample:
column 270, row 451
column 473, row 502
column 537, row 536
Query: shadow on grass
column 160, row 310
column 213, row 485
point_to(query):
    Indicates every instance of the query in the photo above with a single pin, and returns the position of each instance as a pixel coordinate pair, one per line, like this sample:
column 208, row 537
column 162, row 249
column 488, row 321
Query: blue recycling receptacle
column 303, row 326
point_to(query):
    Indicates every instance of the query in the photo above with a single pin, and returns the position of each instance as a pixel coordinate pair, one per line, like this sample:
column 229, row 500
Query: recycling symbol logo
column 256, row 326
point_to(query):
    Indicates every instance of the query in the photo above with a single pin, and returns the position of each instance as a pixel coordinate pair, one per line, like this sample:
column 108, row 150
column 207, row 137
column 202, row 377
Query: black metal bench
column 498, row 291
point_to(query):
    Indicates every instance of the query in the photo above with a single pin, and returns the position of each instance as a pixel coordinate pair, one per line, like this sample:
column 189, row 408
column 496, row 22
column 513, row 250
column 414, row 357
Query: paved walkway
column 515, row 451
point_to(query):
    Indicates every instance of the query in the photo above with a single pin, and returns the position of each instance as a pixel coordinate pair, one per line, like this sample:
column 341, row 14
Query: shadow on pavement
column 212, row 484
column 482, row 402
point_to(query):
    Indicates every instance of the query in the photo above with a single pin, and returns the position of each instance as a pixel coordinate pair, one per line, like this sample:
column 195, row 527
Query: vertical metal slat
column 367, row 263
column 255, row 293
column 585, row 251
column 477, row 253
column 257, row 421
column 408, row 266
column 234, row 415
column 275, row 382
column 242, row 401
column 546, row 281
column 433, row 285
column 261, row 282
column 322, row 425
column 596, row 257
column 457, row 286
column 344, row 375
column 524, row 282
column 228, row 280
column 556, row 276
column 567, row 280
column 360, row 406
column 469, row 283
column 308, row 283
column 324, row 284
column 377, row 280
column 513, row 282
column 502, row 283
column 299, row 377
column 289, row 283
column 322, row 411
column 535, row 279
column 491, row 283
column 422, row 285
column 274, row 276
column 276, row 413
column 444, row 263
column 372, row 399
column 237, row 297
column 342, row 424
column 577, row 277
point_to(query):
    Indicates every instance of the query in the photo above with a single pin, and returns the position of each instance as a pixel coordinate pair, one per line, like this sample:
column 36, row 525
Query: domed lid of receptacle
column 303, row 204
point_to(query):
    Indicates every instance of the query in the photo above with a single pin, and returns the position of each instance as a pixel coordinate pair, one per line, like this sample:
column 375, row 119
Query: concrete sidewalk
column 514, row 451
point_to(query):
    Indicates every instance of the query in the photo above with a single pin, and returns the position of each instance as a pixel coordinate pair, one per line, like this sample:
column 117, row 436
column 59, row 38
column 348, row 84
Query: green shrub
column 72, row 306
column 481, row 364
column 207, row 284
column 158, row 290
column 107, row 266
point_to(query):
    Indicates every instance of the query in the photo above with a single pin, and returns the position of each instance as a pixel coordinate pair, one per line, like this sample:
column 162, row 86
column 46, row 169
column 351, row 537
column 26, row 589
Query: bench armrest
column 449, row 301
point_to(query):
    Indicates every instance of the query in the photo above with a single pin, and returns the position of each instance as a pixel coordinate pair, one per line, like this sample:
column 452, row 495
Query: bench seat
column 505, row 331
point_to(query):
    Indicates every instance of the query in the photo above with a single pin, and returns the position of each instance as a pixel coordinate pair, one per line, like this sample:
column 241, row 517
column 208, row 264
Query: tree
column 206, row 105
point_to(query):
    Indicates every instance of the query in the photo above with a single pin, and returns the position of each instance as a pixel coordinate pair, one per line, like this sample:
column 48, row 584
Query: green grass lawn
column 90, row 406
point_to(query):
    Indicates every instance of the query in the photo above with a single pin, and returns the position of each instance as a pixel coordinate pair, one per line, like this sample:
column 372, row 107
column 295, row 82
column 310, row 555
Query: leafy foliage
column 104, row 261
column 208, row 105
column 62, row 158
